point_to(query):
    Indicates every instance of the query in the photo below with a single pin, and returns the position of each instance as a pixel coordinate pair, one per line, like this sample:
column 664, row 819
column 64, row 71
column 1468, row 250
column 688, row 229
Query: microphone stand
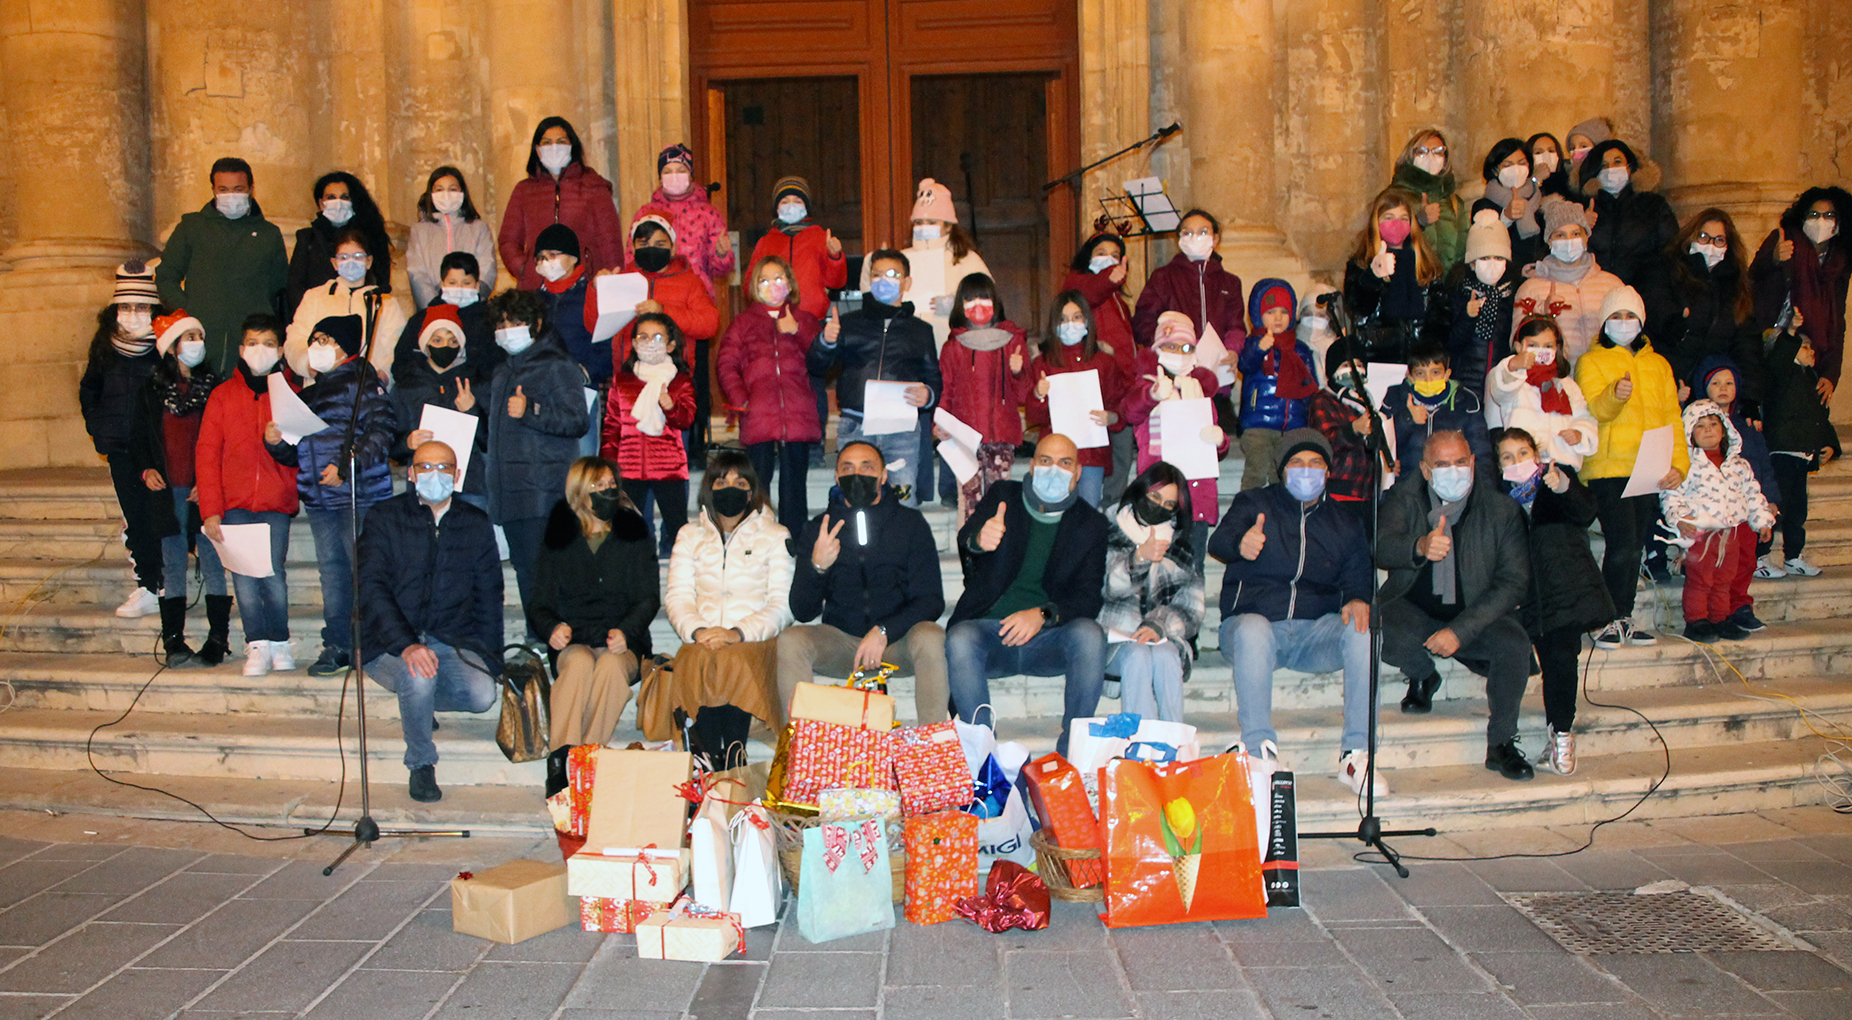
column 1156, row 136
column 1370, row 831
column 366, row 830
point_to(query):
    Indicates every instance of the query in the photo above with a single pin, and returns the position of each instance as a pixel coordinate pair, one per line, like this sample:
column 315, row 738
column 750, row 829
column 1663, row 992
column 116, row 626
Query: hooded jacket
column 1334, row 413
column 421, row 577
column 580, row 199
column 1755, row 447
column 979, row 389
column 1632, row 227
column 698, row 230
column 1315, row 561
column 893, row 580
column 1691, row 314
column 1204, row 291
column 528, row 456
column 331, row 397
column 1447, row 235
column 1262, row 407
column 594, row 593
column 816, row 271
column 1797, row 422
column 1566, row 588
column 742, row 580
column 1654, row 403
column 232, row 466
column 680, row 291
column 1574, row 301
column 1520, row 406
column 311, row 264
column 764, row 372
column 878, row 341
column 1490, row 547
column 221, row 271
column 1715, row 497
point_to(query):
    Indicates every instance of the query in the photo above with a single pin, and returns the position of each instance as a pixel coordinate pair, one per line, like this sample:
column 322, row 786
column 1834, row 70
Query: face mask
column 1071, row 333
column 1489, row 270
column 1431, row 164
column 338, row 211
column 232, row 205
column 859, row 490
column 1316, row 323
column 259, row 358
column 191, row 352
column 1150, row 512
column 1197, row 246
column 435, row 486
column 653, row 260
column 134, row 321
column 675, row 183
column 774, row 291
column 1305, row 483
column 1452, row 482
column 462, row 297
column 1521, row 472
column 1621, row 331
column 925, row 232
column 1175, row 364
column 1577, row 155
column 1820, row 231
column 351, row 272
column 979, row 312
column 554, row 157
column 1101, row 263
column 442, row 357
column 552, row 270
column 1051, row 483
column 1348, row 380
column 652, row 352
column 1569, row 249
column 514, row 339
column 1712, row 253
column 1429, row 387
column 790, row 212
column 731, row 502
column 1542, row 355
column 1544, row 163
column 322, row 357
column 885, row 290
column 604, row 503
column 1394, row 232
column 1614, row 178
column 1514, row 176
column 447, row 202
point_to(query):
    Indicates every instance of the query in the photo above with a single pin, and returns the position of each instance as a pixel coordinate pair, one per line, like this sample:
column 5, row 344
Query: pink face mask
column 674, row 183
column 1393, row 231
column 979, row 312
column 774, row 291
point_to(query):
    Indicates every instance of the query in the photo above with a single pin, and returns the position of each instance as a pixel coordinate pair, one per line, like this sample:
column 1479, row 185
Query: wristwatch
column 882, row 627
column 1048, row 615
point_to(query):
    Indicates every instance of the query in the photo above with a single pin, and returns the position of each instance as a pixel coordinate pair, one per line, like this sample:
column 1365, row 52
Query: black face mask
column 442, row 357
column 653, row 260
column 859, row 490
column 604, row 504
column 731, row 502
column 1150, row 512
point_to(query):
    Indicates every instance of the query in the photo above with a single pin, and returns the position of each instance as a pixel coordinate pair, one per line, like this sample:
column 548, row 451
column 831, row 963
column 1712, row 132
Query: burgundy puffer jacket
column 580, row 199
column 1192, row 288
column 638, row 454
column 762, row 372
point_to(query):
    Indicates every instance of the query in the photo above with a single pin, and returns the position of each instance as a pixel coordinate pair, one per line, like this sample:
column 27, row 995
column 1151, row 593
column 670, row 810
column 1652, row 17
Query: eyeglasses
column 435, row 467
column 891, row 274
column 1716, row 239
column 1815, row 214
column 1430, row 150
column 351, row 256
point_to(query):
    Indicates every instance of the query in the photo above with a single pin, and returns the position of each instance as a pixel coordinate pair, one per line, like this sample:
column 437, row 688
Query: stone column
column 533, row 73
column 1115, row 107
column 652, row 109
column 1333, row 164
column 367, row 71
column 79, row 142
column 1417, row 89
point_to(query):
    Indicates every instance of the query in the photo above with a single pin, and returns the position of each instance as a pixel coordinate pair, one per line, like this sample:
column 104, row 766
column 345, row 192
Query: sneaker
column 331, row 663
column 257, row 658
column 280, row 659
column 423, row 785
column 1351, row 770
column 1508, row 761
column 1702, row 631
column 1729, row 631
column 1746, row 619
column 1768, row 571
column 1613, row 636
column 140, row 603
column 1636, row 636
column 1797, row 565
column 1559, row 756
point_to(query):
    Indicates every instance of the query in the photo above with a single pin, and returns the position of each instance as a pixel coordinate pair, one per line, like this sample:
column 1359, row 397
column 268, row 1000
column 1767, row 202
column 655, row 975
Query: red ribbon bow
column 466, row 875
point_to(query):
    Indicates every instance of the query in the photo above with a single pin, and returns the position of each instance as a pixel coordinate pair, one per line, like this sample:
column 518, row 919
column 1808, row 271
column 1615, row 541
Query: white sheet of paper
column 454, row 429
column 1116, row 637
column 1180, row 427
column 1652, row 462
column 1072, row 399
column 618, row 297
column 1148, row 194
column 246, row 549
column 885, row 410
column 1210, row 350
column 967, row 437
column 961, row 462
column 293, row 417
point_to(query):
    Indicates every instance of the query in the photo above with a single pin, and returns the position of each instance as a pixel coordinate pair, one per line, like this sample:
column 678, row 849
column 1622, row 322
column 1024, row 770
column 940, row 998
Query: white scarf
column 1138, row 532
column 648, row 408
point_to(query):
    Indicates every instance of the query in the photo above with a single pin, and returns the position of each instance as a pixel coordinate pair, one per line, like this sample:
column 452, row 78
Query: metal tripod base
column 367, row 832
column 1370, row 833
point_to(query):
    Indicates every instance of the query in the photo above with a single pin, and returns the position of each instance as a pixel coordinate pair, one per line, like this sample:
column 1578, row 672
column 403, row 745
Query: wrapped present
column 658, row 876
column 852, row 802
column 843, row 706
column 559, row 810
column 1061, row 803
column 619, row 917
column 941, row 864
column 636, row 800
column 511, row 903
column 683, row 934
column 929, row 765
column 823, row 756
column 581, row 767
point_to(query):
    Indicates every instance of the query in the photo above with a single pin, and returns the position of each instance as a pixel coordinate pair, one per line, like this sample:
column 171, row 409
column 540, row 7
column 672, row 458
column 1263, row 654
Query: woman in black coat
column 341, row 203
column 121, row 360
column 1633, row 223
column 1699, row 304
column 1568, row 597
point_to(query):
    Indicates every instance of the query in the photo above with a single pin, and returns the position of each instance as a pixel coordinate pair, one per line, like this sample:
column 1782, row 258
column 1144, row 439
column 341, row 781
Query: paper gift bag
column 1280, row 868
column 513, row 902
column 758, row 881
column 635, row 800
column 845, row 886
column 628, row 873
column 619, row 917
column 710, row 845
column 683, row 935
column 824, row 756
column 843, row 706
column 1061, row 803
column 929, row 765
column 1180, row 842
column 941, row 864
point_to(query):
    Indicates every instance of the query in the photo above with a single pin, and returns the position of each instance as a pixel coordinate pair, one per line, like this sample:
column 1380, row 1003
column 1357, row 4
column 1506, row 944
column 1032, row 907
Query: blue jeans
column 334, row 556
column 1150, row 679
column 895, row 447
column 462, row 684
column 1092, row 483
column 975, row 652
column 1256, row 646
column 263, row 602
column 173, row 555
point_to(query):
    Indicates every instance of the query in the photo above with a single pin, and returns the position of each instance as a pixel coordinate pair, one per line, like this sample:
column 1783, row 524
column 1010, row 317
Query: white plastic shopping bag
column 758, row 884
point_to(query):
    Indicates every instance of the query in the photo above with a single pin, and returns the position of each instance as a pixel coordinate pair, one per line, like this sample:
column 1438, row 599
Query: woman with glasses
column 1425, row 169
column 1802, row 269
column 354, row 290
column 341, row 203
column 1154, row 593
column 1699, row 305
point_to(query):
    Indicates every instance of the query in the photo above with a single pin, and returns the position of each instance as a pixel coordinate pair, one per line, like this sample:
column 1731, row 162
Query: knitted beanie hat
column 135, row 284
column 558, row 237
column 933, row 201
column 1559, row 213
column 1487, row 238
column 1623, row 299
column 1299, row 440
column 345, row 330
column 791, row 185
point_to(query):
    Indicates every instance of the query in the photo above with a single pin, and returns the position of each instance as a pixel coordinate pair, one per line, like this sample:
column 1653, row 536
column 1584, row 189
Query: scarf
column 648, row 408
column 1487, row 336
column 564, row 283
column 259, row 384
column 1501, row 196
column 184, row 397
column 131, row 347
column 1138, row 532
column 1047, row 513
column 1446, row 572
column 1525, row 492
column 1549, row 388
column 1294, row 379
column 985, row 338
column 1812, row 274
column 1549, row 268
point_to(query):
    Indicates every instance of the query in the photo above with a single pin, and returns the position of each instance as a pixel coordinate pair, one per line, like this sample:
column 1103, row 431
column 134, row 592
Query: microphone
column 1166, row 132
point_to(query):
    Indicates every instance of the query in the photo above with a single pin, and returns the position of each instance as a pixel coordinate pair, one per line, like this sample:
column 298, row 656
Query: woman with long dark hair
column 1803, row 267
column 342, row 203
column 559, row 188
column 1154, row 593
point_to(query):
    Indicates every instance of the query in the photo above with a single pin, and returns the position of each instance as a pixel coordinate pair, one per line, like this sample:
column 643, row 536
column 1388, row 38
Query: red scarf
column 1295, row 380
column 564, row 283
column 1549, row 390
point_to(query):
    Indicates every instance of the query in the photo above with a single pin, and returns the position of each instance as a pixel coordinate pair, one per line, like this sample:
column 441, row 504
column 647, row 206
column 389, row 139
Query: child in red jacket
column 984, row 367
column 763, row 375
column 1073, row 345
column 651, row 400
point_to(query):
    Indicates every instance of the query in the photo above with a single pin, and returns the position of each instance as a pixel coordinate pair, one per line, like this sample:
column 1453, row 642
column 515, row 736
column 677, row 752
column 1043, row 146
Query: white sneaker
column 1768, row 571
column 141, row 602
column 257, row 658
column 1559, row 754
column 1797, row 565
column 1351, row 770
column 280, row 658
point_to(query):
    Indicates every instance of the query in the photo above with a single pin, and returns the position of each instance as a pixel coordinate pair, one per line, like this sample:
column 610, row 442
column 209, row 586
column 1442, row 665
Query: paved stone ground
column 105, row 917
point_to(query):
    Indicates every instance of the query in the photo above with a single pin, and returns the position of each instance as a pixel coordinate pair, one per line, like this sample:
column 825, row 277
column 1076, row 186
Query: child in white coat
column 1532, row 390
column 1718, row 511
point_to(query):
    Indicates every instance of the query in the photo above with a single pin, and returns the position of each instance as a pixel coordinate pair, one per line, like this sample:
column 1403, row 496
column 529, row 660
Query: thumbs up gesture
column 833, row 328
column 829, row 241
column 1784, row 248
column 991, row 535
column 1383, row 265
column 517, row 404
column 787, row 323
column 1435, row 545
column 1255, row 540
column 1473, row 304
column 1623, row 390
column 1015, row 362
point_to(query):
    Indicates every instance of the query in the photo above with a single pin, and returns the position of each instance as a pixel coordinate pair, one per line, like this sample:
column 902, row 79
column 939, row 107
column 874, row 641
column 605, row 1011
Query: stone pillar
column 1333, row 163
column 79, row 142
column 533, row 73
column 366, row 74
column 1417, row 88
column 444, row 102
column 1115, row 110
column 652, row 110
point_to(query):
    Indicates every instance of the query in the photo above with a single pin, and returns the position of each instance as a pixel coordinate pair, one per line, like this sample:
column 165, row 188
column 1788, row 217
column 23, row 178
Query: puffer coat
column 743, row 580
column 1654, row 403
column 763, row 372
column 528, row 456
column 331, row 397
column 640, row 456
column 1716, row 496
column 580, row 199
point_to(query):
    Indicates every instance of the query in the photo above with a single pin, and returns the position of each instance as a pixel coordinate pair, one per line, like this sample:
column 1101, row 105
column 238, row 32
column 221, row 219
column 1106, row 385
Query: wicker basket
column 790, row 828
column 1051, row 866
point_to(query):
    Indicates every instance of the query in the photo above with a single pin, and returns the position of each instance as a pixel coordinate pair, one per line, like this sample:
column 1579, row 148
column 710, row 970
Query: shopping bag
column 710, row 842
column 1280, row 868
column 1260, row 785
column 977, row 739
column 941, row 864
column 1180, row 842
column 758, row 881
column 930, row 767
column 526, row 690
column 845, row 886
column 853, row 802
column 1006, row 837
column 990, row 790
column 822, row 756
column 1093, row 742
column 1061, row 803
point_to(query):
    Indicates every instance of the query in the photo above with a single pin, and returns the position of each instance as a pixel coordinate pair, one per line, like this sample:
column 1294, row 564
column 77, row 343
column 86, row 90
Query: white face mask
column 1569, row 249
column 134, row 321
column 552, row 270
column 1614, row 178
column 1622, row 331
column 1101, row 263
column 447, row 202
column 1489, row 270
column 338, row 211
column 322, row 357
column 1175, row 363
column 1431, row 164
column 191, row 353
column 1713, row 253
column 514, row 339
column 232, row 204
column 925, row 232
column 1197, row 246
column 555, row 157
column 259, row 358
column 1820, row 231
column 1542, row 355
column 462, row 297
column 791, row 211
column 652, row 352
column 1513, row 176
column 1316, row 323
column 1545, row 163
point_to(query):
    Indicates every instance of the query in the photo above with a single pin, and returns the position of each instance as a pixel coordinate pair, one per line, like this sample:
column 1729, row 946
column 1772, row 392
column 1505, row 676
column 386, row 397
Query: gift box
column 688, row 935
column 930, row 768
column 657, row 876
column 636, row 800
column 581, row 768
column 823, row 756
column 941, row 864
column 1061, row 803
column 511, row 903
column 619, row 917
column 843, row 706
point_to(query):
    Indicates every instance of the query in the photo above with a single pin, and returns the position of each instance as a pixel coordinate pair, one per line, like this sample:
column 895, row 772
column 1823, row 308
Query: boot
column 173, row 633
column 718, row 730
column 1420, row 697
column 218, row 630
column 556, row 770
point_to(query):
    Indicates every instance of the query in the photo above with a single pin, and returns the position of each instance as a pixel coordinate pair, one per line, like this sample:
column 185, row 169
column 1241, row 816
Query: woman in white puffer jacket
column 728, row 598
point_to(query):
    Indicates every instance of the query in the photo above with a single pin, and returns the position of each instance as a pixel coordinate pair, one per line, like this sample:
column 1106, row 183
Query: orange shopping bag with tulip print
column 1180, row 841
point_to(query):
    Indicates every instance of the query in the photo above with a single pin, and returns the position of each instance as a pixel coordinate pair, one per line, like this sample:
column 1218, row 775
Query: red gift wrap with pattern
column 941, row 864
column 620, row 917
column 824, row 756
column 931, row 769
column 1061, row 803
column 581, row 765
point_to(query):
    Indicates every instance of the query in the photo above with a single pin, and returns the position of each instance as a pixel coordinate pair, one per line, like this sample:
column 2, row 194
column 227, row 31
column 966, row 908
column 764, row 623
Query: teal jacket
column 220, row 271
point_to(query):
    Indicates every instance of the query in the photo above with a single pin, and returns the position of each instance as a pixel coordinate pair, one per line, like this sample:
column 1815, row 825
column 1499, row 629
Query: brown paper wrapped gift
column 512, row 903
column 655, row 876
column 635, row 802
column 844, row 707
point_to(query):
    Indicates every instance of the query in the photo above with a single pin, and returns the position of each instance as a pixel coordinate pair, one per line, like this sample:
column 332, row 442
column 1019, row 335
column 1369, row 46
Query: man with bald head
column 431, row 606
column 1034, row 558
column 1458, row 556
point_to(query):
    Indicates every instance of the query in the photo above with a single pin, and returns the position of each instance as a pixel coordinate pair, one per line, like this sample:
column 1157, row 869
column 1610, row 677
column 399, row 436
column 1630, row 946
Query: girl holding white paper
column 1154, row 595
column 984, row 366
column 1072, row 344
column 651, row 400
column 1168, row 371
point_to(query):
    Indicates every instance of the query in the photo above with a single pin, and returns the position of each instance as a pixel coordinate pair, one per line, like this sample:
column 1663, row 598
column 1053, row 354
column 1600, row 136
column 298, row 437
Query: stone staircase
column 265, row 750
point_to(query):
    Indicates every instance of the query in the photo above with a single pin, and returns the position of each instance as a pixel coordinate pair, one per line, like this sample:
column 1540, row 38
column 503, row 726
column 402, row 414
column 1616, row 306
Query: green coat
column 221, row 271
column 1448, row 235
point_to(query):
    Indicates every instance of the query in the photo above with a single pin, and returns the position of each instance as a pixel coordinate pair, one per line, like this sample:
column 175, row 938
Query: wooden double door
column 865, row 97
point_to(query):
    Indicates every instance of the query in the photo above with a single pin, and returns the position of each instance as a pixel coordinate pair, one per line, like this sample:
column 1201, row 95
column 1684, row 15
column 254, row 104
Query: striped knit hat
column 135, row 284
column 791, row 185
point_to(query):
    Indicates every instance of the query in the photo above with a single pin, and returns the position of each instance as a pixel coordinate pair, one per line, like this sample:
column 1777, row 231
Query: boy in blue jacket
column 1430, row 401
column 1277, row 381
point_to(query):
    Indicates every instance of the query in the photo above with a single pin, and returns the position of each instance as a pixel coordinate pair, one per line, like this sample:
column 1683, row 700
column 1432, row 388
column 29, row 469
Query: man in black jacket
column 1458, row 558
column 1297, row 594
column 431, row 592
column 869, row 567
column 883, row 340
column 1035, row 573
